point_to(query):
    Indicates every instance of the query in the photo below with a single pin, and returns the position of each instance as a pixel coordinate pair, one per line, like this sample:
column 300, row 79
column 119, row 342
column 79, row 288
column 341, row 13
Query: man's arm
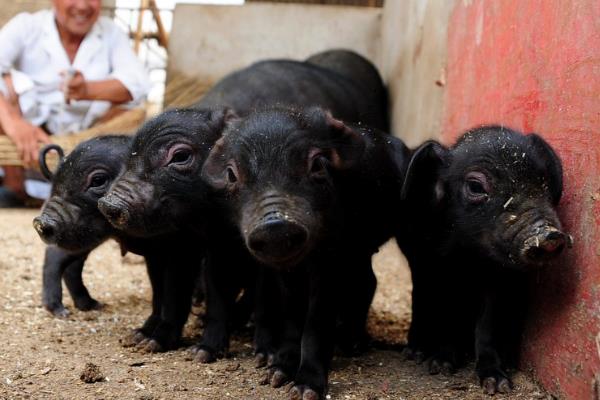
column 23, row 134
column 108, row 90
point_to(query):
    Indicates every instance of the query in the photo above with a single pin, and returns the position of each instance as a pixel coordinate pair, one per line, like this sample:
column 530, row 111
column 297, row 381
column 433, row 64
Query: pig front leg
column 488, row 363
column 317, row 345
column 449, row 321
column 72, row 276
column 56, row 262
column 429, row 303
column 220, row 302
column 292, row 286
column 155, row 271
column 267, row 317
column 179, row 277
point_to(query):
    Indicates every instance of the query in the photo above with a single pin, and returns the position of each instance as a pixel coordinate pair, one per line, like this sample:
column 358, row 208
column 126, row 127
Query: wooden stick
column 163, row 36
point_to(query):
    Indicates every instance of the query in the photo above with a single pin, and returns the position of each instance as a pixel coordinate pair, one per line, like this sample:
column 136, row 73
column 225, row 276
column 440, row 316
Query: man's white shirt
column 31, row 51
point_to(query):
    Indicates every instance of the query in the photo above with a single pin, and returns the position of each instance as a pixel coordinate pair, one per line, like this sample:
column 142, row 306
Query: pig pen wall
column 207, row 42
column 533, row 65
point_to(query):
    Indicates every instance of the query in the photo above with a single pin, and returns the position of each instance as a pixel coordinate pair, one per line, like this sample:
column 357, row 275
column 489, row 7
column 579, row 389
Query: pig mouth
column 72, row 238
column 281, row 262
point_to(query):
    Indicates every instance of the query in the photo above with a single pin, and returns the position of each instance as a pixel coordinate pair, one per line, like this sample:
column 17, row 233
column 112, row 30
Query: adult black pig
column 341, row 81
column 70, row 222
column 313, row 198
column 484, row 215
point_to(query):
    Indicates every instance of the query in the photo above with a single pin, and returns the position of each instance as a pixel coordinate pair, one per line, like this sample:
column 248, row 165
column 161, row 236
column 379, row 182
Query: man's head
column 76, row 17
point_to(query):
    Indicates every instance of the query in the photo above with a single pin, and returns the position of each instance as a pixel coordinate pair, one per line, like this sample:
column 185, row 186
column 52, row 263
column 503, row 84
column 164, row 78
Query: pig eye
column 98, row 179
column 476, row 187
column 318, row 165
column 180, row 156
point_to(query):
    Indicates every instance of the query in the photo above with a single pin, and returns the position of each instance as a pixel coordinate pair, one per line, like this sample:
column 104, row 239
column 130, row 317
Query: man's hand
column 75, row 86
column 27, row 138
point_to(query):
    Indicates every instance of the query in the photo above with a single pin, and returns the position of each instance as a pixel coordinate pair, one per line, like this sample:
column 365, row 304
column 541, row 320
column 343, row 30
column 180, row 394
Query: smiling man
column 62, row 71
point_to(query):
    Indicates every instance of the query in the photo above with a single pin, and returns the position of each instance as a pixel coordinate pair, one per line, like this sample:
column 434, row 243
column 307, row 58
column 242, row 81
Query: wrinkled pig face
column 161, row 184
column 278, row 168
column 70, row 218
column 500, row 189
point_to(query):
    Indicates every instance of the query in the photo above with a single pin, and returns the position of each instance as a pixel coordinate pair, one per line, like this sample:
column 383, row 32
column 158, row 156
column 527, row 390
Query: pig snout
column 279, row 228
column 115, row 210
column 47, row 228
column 544, row 243
column 277, row 239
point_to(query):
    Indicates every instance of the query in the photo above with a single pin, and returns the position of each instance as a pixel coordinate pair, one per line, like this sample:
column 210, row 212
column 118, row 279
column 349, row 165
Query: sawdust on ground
column 43, row 357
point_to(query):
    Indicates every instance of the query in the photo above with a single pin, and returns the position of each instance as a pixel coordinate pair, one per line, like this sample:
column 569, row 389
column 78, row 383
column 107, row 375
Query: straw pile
column 183, row 91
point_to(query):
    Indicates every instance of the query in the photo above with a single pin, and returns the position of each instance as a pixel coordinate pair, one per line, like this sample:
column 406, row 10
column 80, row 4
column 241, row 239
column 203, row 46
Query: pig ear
column 552, row 165
column 42, row 159
column 349, row 146
column 422, row 174
column 215, row 167
column 221, row 117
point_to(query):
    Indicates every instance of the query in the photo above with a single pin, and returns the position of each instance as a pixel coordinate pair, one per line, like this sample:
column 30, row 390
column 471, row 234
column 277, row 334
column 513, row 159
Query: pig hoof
column 260, row 360
column 60, row 312
column 149, row 346
column 88, row 305
column 489, row 385
column 302, row 392
column 448, row 368
column 133, row 339
column 204, row 356
column 435, row 366
column 492, row 385
column 419, row 357
column 408, row 353
column 279, row 378
column 504, row 386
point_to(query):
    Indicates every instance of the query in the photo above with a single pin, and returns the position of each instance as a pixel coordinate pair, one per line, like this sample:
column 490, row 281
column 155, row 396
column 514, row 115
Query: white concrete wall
column 208, row 42
column 413, row 59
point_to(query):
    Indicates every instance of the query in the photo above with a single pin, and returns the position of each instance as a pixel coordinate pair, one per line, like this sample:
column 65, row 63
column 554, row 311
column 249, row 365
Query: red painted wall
column 534, row 65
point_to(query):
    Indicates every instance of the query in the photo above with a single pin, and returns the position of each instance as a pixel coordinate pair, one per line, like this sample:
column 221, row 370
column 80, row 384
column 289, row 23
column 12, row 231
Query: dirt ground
column 44, row 357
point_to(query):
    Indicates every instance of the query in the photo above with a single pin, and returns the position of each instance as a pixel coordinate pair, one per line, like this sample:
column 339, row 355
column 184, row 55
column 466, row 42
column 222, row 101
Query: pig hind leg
column 359, row 288
column 223, row 284
column 155, row 271
column 179, row 277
